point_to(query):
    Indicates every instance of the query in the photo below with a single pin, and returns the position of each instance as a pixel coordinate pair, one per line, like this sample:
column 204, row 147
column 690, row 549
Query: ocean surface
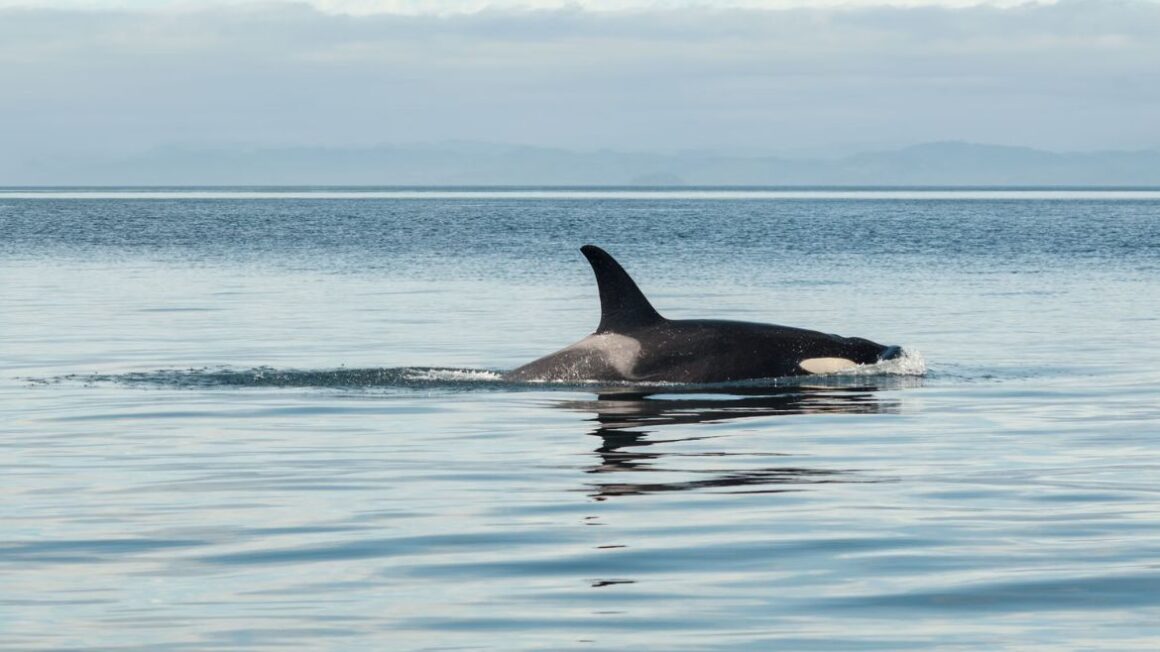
column 272, row 418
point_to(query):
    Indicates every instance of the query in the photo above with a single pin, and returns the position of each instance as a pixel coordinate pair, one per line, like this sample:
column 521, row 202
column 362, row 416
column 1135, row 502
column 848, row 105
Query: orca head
column 890, row 353
column 864, row 351
column 845, row 353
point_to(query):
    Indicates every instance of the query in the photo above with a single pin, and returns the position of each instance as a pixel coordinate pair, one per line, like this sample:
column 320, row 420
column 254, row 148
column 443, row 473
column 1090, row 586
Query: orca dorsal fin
column 622, row 305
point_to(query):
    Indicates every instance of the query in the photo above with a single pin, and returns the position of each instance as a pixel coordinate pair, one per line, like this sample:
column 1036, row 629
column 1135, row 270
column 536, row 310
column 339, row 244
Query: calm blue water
column 270, row 420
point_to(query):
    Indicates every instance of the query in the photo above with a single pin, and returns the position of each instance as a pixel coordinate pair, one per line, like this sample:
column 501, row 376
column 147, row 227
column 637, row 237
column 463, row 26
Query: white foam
column 452, row 375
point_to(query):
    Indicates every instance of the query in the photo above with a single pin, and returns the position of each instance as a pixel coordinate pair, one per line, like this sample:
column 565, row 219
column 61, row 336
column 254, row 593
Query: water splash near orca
column 909, row 362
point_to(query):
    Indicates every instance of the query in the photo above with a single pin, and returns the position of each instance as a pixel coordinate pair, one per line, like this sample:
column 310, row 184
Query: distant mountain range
column 932, row 164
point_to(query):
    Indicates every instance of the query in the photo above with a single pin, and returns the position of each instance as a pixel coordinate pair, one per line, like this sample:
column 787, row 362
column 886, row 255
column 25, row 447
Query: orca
column 634, row 343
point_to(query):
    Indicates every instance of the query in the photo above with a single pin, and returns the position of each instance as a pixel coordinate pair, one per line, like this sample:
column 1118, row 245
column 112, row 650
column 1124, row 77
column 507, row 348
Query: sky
column 116, row 77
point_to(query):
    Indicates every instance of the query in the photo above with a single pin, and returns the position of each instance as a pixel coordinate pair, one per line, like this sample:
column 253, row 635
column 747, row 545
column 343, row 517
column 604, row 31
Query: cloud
column 1071, row 75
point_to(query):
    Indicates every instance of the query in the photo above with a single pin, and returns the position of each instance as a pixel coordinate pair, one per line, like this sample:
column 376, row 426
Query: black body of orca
column 634, row 343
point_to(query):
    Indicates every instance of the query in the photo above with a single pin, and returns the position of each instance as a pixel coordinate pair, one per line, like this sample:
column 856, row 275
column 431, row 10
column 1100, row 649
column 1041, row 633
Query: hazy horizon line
column 726, row 150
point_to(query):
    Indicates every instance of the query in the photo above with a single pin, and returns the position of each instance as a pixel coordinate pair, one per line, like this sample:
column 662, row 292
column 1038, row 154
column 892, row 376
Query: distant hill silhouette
column 468, row 163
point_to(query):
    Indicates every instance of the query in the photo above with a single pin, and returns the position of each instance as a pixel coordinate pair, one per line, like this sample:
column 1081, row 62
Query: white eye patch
column 826, row 365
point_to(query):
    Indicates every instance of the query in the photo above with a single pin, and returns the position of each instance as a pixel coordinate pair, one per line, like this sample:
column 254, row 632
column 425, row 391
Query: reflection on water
column 616, row 410
column 629, row 424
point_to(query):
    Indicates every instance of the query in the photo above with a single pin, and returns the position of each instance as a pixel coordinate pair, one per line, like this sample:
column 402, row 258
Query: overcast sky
column 774, row 76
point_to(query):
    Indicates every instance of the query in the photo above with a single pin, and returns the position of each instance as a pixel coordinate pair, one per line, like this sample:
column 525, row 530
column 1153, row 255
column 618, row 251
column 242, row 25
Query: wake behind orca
column 634, row 343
